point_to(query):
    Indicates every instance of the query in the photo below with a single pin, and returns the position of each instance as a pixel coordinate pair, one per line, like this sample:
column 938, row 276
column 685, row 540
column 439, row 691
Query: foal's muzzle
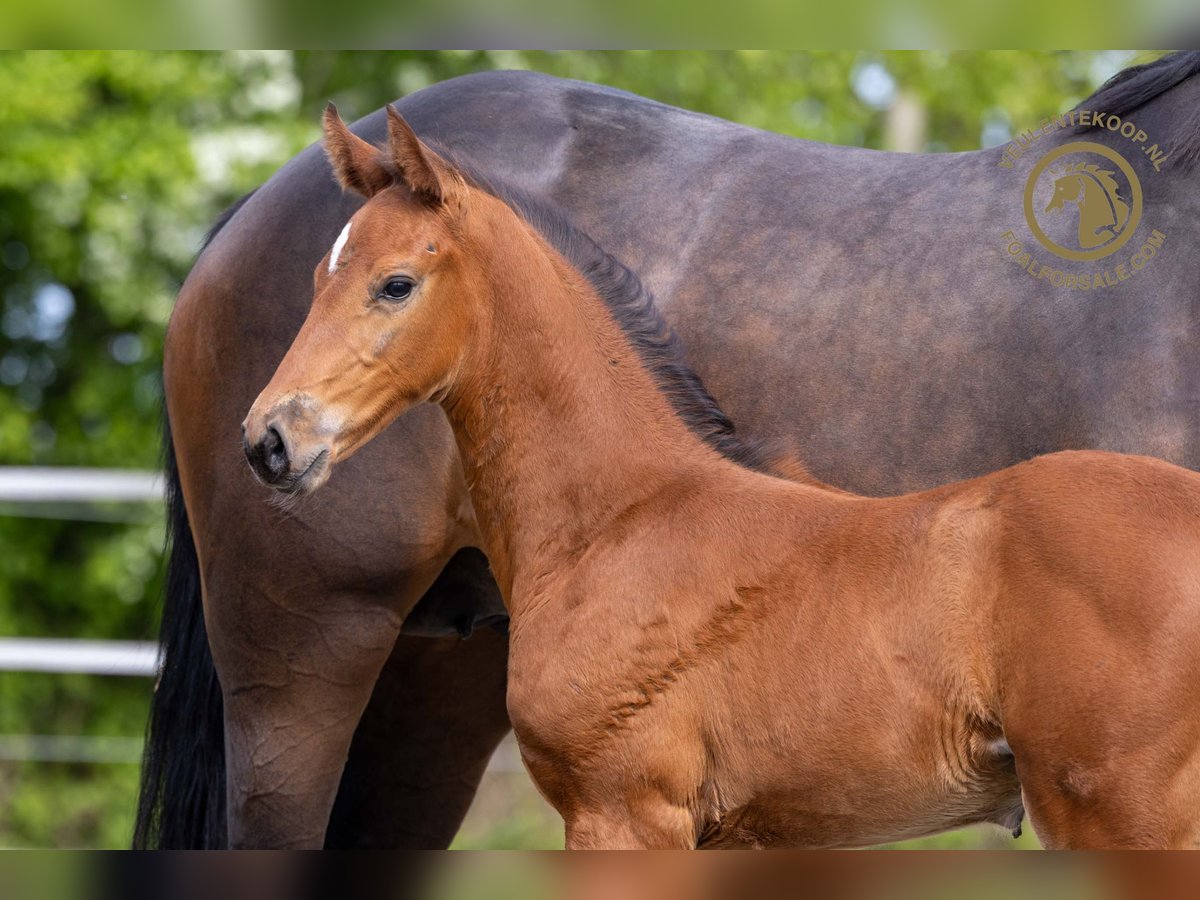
column 286, row 445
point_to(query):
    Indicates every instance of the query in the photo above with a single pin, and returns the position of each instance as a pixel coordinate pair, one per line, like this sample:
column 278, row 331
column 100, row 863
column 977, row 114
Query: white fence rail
column 83, row 495
column 69, row 748
column 43, row 484
column 69, row 493
column 129, row 658
column 67, row 655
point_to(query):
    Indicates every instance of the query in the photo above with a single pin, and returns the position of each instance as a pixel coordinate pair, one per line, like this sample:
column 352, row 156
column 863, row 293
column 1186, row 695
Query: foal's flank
column 707, row 655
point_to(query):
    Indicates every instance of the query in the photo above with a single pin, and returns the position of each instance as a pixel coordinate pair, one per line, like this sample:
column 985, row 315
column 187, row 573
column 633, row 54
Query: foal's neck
column 560, row 426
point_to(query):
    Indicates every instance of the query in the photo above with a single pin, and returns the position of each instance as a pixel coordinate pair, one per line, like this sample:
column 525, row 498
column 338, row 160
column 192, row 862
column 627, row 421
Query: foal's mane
column 1136, row 86
column 633, row 307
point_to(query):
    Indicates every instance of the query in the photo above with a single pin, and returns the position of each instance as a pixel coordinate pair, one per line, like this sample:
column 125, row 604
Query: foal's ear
column 427, row 175
column 356, row 164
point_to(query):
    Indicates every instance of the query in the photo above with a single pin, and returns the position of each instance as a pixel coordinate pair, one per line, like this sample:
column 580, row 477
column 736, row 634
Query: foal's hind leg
column 1098, row 700
column 1109, row 782
column 1076, row 807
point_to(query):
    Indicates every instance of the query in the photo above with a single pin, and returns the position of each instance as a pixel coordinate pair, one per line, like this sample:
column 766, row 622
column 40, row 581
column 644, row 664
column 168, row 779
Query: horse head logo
column 1102, row 212
column 1104, row 189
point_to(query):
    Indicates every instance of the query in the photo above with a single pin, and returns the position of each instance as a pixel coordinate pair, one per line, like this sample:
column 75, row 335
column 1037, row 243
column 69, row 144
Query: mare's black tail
column 181, row 804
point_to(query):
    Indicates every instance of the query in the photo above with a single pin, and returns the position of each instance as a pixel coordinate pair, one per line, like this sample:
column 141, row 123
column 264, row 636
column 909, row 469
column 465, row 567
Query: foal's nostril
column 268, row 456
column 274, row 453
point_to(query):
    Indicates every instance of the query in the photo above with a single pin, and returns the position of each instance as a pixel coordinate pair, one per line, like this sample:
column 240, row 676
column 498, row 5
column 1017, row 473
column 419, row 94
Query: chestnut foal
column 707, row 655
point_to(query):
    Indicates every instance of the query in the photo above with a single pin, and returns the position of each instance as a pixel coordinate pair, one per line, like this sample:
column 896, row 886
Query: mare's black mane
column 1136, row 86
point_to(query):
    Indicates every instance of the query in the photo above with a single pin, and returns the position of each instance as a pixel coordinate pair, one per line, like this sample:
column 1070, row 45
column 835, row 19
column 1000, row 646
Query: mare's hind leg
column 296, row 672
column 436, row 716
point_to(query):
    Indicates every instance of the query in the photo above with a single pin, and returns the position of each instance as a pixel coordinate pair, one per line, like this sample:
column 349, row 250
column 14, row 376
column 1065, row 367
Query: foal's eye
column 397, row 289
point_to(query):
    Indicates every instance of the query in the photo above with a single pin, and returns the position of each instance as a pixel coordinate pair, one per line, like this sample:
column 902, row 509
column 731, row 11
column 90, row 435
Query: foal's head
column 395, row 308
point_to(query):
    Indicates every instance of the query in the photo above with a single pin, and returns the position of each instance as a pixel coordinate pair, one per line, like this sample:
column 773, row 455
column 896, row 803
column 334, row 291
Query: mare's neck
column 560, row 426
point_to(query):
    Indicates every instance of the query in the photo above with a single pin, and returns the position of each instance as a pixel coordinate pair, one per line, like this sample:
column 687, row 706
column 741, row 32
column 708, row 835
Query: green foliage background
column 111, row 166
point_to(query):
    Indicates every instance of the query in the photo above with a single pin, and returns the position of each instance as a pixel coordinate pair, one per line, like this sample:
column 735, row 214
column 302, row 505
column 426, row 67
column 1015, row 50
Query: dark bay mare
column 860, row 303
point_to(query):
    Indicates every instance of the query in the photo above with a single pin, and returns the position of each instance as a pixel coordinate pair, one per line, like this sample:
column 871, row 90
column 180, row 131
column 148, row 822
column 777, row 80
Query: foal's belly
column 854, row 785
column 842, row 815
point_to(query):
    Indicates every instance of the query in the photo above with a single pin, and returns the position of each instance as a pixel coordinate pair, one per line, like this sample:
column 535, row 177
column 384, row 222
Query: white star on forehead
column 337, row 247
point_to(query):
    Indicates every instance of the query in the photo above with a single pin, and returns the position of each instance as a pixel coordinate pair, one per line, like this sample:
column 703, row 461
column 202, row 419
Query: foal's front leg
column 646, row 824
